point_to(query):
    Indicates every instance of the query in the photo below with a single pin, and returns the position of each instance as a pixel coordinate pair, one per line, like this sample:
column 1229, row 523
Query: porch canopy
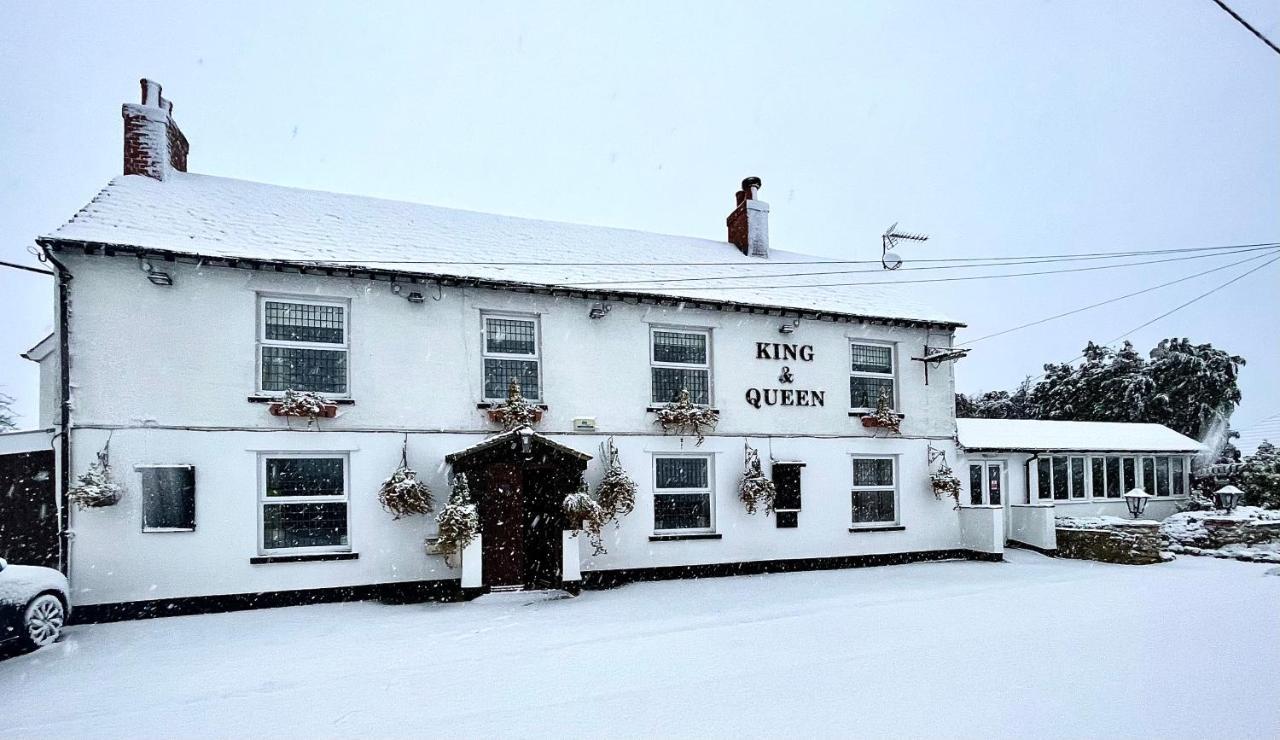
column 1033, row 435
column 521, row 443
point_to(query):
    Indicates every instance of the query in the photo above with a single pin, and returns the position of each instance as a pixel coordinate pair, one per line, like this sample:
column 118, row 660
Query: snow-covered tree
column 459, row 521
column 6, row 413
column 1260, row 479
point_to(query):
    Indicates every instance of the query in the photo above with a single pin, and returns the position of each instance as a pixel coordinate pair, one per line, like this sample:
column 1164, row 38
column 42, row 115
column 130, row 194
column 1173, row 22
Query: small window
column 682, row 493
column 511, row 353
column 168, row 498
column 875, row 491
column 1162, row 476
column 1179, row 466
column 1129, row 474
column 680, row 360
column 303, row 501
column 786, row 479
column 1113, row 477
column 1149, row 475
column 1044, row 478
column 303, row 346
column 871, row 374
column 1077, row 477
column 1060, row 484
column 1097, row 477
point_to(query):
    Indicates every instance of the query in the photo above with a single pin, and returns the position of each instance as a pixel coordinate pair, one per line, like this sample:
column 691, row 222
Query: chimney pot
column 150, row 92
column 749, row 222
column 153, row 144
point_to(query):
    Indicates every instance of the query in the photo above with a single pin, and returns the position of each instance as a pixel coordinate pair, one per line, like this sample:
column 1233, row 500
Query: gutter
column 64, row 393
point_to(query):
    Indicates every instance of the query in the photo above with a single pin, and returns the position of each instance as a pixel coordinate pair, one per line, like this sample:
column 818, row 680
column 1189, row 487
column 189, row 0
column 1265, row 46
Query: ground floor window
column 682, row 496
column 1099, row 477
column 303, row 503
column 875, row 491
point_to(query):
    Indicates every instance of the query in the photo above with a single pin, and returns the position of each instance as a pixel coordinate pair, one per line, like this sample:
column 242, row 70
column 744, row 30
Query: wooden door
column 502, row 526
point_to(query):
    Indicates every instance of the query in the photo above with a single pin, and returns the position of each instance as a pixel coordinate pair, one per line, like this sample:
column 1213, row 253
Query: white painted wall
column 173, row 368
column 1032, row 524
column 982, row 528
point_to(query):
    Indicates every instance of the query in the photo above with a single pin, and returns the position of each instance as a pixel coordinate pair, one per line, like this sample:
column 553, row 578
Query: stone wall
column 1111, row 541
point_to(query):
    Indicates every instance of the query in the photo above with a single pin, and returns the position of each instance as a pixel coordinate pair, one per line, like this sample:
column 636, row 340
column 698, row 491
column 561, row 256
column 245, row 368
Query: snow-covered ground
column 1033, row 647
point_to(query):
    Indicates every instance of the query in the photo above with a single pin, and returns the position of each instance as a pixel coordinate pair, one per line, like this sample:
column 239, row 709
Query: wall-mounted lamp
column 599, row 310
column 155, row 276
column 789, row 327
column 415, row 297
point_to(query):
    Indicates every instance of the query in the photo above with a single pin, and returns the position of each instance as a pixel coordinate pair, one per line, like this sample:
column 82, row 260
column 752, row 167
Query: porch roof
column 498, row 440
column 1033, row 435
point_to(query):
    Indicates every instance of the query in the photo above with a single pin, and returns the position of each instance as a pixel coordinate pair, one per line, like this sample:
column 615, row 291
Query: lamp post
column 1227, row 497
column 1136, row 500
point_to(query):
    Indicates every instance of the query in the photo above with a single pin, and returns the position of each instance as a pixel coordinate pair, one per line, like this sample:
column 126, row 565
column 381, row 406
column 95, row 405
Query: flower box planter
column 498, row 414
column 327, row 410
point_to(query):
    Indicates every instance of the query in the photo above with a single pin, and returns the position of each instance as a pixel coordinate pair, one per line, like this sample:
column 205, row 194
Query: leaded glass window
column 871, row 374
column 875, row 493
column 680, row 360
column 511, row 351
column 682, row 498
column 304, row 503
column 302, row 346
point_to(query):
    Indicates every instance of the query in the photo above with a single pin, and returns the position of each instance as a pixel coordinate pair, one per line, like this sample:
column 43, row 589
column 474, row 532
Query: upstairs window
column 680, row 360
column 870, row 375
column 512, row 351
column 875, row 491
column 302, row 346
column 303, row 502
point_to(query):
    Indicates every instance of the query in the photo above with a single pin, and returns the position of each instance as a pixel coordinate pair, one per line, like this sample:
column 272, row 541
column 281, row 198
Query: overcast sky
column 1000, row 128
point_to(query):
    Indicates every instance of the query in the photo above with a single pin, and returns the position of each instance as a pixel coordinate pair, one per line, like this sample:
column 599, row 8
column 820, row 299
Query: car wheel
column 43, row 620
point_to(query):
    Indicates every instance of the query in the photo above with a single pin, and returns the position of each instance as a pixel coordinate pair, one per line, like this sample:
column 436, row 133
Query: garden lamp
column 1227, row 497
column 1136, row 500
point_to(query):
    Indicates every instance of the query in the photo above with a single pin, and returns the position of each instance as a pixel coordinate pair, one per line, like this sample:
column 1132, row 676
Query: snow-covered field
column 1033, row 647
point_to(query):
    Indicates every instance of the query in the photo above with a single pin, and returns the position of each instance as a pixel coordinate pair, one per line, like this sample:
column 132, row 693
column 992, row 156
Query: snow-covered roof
column 510, row 436
column 1085, row 436
column 236, row 219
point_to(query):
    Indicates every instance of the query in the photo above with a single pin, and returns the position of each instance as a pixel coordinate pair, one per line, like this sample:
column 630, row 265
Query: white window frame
column 985, row 493
column 264, row 501
column 897, row 492
column 653, row 363
column 709, row 492
column 891, row 375
column 535, row 358
column 344, row 347
column 1044, row 468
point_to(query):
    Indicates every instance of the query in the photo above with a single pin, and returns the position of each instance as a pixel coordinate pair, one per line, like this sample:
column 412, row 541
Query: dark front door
column 544, row 492
column 28, row 509
column 502, row 526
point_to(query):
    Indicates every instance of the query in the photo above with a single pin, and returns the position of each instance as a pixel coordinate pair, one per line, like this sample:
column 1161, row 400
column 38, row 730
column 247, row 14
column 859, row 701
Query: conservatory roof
column 1085, row 436
column 221, row 218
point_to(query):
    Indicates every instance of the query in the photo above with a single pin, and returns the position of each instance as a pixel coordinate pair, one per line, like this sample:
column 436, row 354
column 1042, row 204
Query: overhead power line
column 28, row 268
column 995, row 276
column 773, row 263
column 700, row 278
column 1247, row 25
column 1082, row 309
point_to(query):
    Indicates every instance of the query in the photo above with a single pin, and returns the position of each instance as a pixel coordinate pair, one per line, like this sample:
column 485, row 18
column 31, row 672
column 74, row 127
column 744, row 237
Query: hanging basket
column 303, row 404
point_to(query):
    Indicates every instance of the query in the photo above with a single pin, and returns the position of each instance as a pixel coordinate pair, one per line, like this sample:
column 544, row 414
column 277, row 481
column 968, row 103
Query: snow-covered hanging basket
column 616, row 492
column 403, row 494
column 943, row 480
column 755, row 490
column 458, row 523
column 95, row 488
column 683, row 417
column 585, row 515
column 305, row 404
column 515, row 412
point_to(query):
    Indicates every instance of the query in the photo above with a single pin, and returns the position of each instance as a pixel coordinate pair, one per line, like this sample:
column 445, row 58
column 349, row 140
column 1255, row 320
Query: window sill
column 868, row 412
column 890, row 528
column 278, row 399
column 483, row 405
column 658, row 407
column 314, row 557
column 690, row 536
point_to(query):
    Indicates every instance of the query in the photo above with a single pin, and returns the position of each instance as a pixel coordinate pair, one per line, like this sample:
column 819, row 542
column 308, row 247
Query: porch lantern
column 1227, row 497
column 1136, row 500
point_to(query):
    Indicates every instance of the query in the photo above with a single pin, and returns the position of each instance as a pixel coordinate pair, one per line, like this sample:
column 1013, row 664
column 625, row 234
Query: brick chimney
column 153, row 144
column 749, row 222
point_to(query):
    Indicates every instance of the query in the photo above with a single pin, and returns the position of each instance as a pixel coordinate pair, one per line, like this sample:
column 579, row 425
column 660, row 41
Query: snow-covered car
column 33, row 604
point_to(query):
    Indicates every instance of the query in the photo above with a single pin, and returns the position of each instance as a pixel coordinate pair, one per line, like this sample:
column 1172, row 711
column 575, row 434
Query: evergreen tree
column 6, row 413
column 1260, row 479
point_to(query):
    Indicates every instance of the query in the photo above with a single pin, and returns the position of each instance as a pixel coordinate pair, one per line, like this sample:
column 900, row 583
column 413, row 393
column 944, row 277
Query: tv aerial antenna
column 889, row 259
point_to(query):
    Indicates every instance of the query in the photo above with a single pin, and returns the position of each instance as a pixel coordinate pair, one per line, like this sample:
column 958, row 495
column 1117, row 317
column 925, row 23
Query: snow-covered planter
column 883, row 417
column 304, row 404
column 684, row 417
column 755, row 490
column 403, row 494
column 1247, row 533
column 585, row 515
column 95, row 488
column 458, row 523
column 515, row 412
